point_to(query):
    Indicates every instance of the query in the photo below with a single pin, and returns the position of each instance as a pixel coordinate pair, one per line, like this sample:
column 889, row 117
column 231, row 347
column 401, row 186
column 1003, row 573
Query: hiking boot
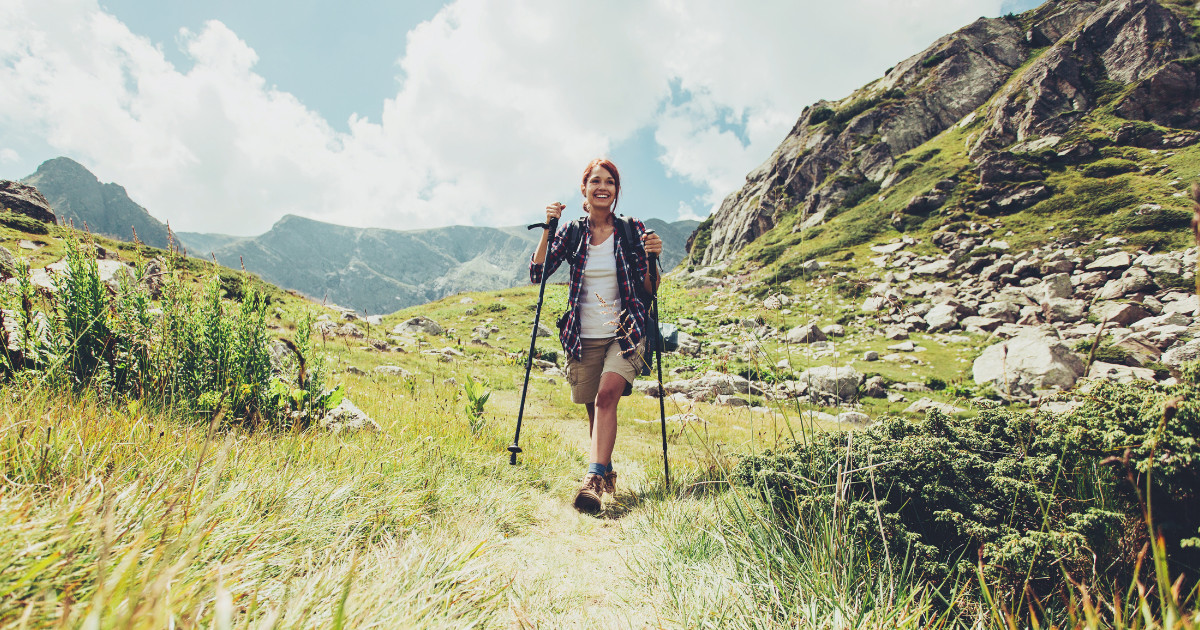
column 610, row 482
column 588, row 499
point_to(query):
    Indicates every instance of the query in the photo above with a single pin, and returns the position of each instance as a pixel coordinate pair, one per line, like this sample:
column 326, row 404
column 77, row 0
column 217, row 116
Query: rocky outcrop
column 80, row 199
column 1034, row 360
column 26, row 200
column 1124, row 41
column 840, row 153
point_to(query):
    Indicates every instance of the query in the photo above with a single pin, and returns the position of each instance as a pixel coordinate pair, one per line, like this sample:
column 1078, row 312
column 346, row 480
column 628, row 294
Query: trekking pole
column 662, row 405
column 551, row 226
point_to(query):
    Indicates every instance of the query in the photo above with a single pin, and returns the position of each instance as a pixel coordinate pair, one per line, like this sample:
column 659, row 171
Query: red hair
column 611, row 168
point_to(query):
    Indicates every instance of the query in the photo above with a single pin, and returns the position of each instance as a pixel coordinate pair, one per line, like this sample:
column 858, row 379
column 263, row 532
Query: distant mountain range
column 369, row 269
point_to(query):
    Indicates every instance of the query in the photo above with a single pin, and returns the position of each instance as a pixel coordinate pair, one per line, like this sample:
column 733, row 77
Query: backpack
column 664, row 337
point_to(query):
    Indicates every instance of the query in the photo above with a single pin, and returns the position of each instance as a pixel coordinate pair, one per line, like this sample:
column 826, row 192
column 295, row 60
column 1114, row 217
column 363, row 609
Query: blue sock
column 597, row 469
column 610, row 467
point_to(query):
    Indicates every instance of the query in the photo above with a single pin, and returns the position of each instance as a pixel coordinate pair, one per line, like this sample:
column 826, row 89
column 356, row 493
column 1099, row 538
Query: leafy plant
column 477, row 397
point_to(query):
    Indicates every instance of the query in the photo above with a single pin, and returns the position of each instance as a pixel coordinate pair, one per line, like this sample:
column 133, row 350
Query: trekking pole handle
column 653, row 260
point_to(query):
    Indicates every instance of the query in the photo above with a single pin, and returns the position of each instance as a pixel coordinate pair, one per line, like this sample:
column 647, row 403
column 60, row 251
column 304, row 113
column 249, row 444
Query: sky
column 223, row 116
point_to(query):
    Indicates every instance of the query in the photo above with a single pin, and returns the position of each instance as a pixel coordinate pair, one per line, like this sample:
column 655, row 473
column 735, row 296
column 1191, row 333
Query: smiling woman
column 603, row 329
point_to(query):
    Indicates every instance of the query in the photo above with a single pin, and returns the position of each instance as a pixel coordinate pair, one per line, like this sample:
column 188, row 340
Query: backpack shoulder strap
column 628, row 238
column 574, row 238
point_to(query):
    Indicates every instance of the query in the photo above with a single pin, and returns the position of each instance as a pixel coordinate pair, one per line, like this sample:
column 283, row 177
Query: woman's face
column 600, row 188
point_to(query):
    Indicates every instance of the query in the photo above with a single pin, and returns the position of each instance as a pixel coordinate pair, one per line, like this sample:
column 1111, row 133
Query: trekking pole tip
column 513, row 449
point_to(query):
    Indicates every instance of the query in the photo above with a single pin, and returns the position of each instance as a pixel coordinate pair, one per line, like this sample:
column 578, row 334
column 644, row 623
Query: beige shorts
column 600, row 356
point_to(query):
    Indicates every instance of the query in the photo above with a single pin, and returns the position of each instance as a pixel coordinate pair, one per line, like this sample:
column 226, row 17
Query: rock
column 1060, row 310
column 904, row 346
column 942, row 317
column 419, row 324
column 976, row 323
column 1003, row 311
column 1186, row 306
column 874, row 303
column 688, row 345
column 347, row 417
column 1166, row 319
column 1119, row 373
column 545, row 331
column 853, row 417
column 1134, row 280
column 1111, row 262
column 870, row 355
column 1004, row 167
column 1033, row 360
column 1139, row 347
column 646, row 388
column 392, row 370
column 834, row 330
column 26, row 200
column 1006, row 200
column 895, row 333
column 873, row 387
column 842, row 382
column 8, row 263
column 1158, row 264
column 713, row 384
column 1177, row 356
column 732, row 401
column 805, row 334
column 1054, row 286
column 938, row 268
column 925, row 405
column 1119, row 313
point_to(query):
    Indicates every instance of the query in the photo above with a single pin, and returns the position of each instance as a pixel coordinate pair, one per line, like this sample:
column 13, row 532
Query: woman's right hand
column 554, row 211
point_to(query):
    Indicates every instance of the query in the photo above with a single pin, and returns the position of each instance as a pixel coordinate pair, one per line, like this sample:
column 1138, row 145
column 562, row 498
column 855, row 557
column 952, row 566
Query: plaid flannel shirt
column 631, row 268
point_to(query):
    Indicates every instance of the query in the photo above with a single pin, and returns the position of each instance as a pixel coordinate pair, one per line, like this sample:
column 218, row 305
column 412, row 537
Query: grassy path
column 570, row 569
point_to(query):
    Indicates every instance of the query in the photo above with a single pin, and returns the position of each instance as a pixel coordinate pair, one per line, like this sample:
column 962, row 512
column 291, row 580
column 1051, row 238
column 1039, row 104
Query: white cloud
column 687, row 213
column 499, row 104
column 9, row 156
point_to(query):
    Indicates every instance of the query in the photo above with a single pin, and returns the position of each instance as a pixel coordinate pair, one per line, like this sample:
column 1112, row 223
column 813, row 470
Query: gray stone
column 805, row 334
column 1118, row 260
column 873, row 387
column 1051, row 287
column 419, row 324
column 925, row 405
column 870, row 355
column 942, row 317
column 1186, row 306
column 1033, row 360
column 874, row 303
column 8, row 263
column 853, row 417
column 904, row 346
column 842, row 382
column 1061, row 310
column 392, row 370
column 975, row 323
column 1177, row 356
column 347, row 417
column 1160, row 263
column 1119, row 373
column 1119, row 313
column 1134, row 280
column 1003, row 311
column 26, row 200
column 834, row 330
column 732, row 401
column 938, row 268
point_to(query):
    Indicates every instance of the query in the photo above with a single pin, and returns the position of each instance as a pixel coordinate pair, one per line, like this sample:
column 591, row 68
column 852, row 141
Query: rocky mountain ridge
column 78, row 198
column 1019, row 84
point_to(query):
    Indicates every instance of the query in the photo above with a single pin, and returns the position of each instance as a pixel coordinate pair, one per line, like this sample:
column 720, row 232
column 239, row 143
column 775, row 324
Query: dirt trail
column 571, row 570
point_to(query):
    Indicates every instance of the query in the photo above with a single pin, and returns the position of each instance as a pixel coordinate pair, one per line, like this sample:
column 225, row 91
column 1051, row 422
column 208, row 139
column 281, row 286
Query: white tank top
column 600, row 306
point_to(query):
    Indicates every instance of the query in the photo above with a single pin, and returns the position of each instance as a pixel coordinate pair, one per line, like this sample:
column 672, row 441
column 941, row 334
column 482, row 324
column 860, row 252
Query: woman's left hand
column 652, row 243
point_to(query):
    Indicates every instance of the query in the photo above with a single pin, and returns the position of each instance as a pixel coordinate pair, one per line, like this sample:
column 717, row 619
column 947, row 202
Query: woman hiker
column 603, row 329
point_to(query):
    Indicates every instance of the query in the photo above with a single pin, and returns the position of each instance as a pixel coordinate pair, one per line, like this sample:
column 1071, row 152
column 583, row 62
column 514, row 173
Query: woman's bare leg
column 604, row 418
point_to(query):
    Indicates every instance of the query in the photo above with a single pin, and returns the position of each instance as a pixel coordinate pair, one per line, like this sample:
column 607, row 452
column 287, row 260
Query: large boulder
column 8, row 263
column 419, row 324
column 25, row 200
column 842, row 382
column 1032, row 360
column 942, row 317
column 809, row 333
column 347, row 417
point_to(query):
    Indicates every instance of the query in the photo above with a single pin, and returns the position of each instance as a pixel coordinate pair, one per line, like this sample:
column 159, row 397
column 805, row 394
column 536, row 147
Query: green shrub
column 858, row 192
column 18, row 221
column 980, row 252
column 702, row 238
column 820, row 115
column 935, row 383
column 934, row 59
column 1108, row 167
column 1160, row 220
